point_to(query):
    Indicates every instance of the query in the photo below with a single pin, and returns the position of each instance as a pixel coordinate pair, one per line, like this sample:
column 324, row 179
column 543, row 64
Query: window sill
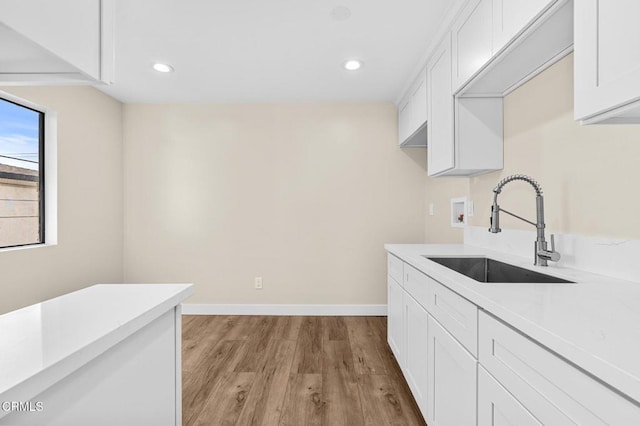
column 27, row 247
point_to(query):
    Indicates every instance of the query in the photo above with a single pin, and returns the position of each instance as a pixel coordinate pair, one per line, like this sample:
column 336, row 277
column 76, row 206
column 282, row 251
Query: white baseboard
column 313, row 310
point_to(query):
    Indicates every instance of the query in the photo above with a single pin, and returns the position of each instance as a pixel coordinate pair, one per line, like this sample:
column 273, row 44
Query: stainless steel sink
column 487, row 270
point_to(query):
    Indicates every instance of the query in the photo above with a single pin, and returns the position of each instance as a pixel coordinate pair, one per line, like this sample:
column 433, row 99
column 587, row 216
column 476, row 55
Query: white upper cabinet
column 471, row 41
column 52, row 41
column 607, row 61
column 465, row 135
column 412, row 114
column 526, row 38
column 419, row 101
column 440, row 109
column 404, row 120
column 512, row 16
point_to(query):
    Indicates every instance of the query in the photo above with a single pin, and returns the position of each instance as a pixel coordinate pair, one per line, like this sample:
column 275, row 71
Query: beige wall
column 303, row 195
column 588, row 173
column 89, row 249
column 440, row 191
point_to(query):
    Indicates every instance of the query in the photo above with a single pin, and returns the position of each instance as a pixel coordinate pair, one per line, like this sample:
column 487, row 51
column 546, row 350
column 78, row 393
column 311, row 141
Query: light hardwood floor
column 298, row 371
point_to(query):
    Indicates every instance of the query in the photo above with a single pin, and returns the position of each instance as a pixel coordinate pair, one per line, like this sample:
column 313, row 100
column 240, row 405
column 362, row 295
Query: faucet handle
column 553, row 255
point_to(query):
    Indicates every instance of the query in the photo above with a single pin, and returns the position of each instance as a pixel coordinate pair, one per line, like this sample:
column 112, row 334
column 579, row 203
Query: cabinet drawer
column 554, row 391
column 458, row 316
column 416, row 284
column 394, row 267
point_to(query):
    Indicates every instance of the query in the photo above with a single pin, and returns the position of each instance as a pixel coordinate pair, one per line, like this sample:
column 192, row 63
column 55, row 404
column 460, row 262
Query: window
column 22, row 186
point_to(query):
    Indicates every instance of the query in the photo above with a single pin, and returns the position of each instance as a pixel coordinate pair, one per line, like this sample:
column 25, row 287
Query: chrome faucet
column 541, row 254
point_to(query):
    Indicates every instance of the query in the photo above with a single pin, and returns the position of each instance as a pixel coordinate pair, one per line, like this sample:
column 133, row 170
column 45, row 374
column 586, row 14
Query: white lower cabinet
column 395, row 316
column 416, row 320
column 551, row 389
column 497, row 407
column 466, row 367
column 452, row 373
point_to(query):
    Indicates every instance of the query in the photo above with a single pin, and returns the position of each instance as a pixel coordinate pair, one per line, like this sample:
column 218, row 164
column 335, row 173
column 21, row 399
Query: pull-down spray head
column 495, row 217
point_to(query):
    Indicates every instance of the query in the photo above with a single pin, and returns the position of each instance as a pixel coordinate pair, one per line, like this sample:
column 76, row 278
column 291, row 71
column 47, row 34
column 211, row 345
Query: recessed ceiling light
column 352, row 65
column 162, row 67
column 340, row 13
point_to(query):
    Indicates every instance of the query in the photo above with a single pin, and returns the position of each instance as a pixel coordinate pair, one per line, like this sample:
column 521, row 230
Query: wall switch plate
column 431, row 209
column 258, row 283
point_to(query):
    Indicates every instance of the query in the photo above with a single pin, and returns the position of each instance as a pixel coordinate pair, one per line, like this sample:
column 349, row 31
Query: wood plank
column 266, row 398
column 238, row 327
column 364, row 347
column 226, row 402
column 383, row 405
column 334, row 328
column 308, row 356
column 287, row 327
column 203, row 333
column 340, row 386
column 186, row 319
column 379, row 327
column 306, row 371
column 303, row 401
column 390, row 362
column 195, row 325
column 257, row 346
column 201, row 378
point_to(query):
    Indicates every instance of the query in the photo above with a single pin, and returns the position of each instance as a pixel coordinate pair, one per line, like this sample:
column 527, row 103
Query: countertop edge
column 45, row 378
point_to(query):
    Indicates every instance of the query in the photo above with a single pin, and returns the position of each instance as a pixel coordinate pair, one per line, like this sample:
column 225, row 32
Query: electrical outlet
column 431, row 209
column 470, row 208
column 258, row 283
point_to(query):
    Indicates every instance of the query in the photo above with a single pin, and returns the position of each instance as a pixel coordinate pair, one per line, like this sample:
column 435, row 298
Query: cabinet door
column 451, row 372
column 471, row 35
column 419, row 102
column 395, row 317
column 607, row 55
column 416, row 322
column 512, row 16
column 497, row 407
column 404, row 120
column 440, row 148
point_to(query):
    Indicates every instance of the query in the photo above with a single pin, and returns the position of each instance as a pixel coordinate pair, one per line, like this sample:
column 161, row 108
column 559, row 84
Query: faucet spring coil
column 525, row 178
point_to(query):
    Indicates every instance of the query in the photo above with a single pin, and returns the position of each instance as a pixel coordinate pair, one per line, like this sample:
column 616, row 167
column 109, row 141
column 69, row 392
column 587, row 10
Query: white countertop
column 43, row 343
column 594, row 323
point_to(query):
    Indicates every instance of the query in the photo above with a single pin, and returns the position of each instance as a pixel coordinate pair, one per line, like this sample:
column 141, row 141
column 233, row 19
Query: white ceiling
column 270, row 50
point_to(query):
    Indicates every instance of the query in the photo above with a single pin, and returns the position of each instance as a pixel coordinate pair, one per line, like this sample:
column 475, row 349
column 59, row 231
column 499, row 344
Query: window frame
column 47, row 176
